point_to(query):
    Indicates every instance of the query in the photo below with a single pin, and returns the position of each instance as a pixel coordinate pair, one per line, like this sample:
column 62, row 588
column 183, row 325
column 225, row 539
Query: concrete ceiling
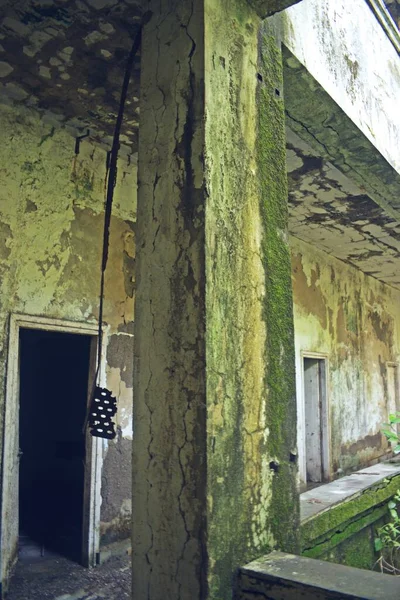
column 67, row 59
column 328, row 210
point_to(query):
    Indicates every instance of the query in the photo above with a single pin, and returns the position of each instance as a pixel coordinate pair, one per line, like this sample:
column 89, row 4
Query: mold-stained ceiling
column 328, row 210
column 67, row 59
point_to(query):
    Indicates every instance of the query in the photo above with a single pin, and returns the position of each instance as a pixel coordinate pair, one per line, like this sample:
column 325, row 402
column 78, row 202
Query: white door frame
column 326, row 444
column 395, row 405
column 11, row 421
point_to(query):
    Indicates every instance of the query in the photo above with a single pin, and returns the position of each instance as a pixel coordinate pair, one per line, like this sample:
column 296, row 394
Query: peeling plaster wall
column 353, row 319
column 250, row 364
column 214, row 345
column 67, row 60
column 51, row 223
column 347, row 51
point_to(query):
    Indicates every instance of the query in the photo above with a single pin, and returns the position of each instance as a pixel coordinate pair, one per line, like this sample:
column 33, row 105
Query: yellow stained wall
column 51, row 225
column 353, row 319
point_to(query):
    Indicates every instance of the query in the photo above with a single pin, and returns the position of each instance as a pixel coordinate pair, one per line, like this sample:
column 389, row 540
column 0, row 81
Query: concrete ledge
column 287, row 577
column 337, row 511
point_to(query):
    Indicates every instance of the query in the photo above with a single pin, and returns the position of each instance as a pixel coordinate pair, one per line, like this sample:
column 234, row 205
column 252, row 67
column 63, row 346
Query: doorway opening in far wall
column 54, row 378
column 51, row 476
column 316, row 420
column 392, row 400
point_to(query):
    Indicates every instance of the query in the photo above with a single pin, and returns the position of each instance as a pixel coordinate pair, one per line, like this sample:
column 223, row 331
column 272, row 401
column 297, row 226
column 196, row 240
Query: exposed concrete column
column 169, row 449
column 214, row 371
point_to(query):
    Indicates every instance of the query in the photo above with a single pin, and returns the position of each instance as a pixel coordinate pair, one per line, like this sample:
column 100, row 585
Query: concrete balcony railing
column 280, row 576
column 338, row 523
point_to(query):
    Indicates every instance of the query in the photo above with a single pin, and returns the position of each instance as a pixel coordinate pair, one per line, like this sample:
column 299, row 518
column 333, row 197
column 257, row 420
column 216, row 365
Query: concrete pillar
column 214, row 406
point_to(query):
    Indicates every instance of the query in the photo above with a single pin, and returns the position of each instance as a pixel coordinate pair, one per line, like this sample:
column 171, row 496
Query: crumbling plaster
column 67, row 58
column 354, row 320
column 316, row 118
column 328, row 209
column 213, row 277
column 51, row 214
column 346, row 50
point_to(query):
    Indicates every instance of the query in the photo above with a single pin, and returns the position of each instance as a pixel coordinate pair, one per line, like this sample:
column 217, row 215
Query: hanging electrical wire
column 103, row 406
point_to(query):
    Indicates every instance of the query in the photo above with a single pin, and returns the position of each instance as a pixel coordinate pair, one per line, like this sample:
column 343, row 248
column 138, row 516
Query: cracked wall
column 169, row 521
column 353, row 319
column 214, row 351
column 51, row 215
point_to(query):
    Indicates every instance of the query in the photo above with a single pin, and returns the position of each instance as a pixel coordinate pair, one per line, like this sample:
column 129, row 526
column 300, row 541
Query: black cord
column 112, row 158
column 112, row 178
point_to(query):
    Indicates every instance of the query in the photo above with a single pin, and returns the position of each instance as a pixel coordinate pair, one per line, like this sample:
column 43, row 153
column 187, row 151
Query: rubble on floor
column 53, row 577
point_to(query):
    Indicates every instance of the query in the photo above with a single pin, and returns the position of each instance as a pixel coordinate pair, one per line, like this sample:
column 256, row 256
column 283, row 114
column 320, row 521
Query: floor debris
column 53, row 577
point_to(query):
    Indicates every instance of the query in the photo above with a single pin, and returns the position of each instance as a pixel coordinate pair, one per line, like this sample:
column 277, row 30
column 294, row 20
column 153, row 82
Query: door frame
column 93, row 462
column 391, row 364
column 325, row 421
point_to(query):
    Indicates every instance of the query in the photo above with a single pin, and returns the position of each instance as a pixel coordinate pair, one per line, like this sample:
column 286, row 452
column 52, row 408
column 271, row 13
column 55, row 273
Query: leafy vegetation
column 390, row 431
column 387, row 542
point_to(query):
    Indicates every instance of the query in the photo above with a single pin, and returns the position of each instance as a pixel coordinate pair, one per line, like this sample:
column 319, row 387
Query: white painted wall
column 345, row 48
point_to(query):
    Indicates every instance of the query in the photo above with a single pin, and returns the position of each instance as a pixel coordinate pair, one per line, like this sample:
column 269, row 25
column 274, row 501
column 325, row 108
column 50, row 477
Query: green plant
column 387, row 542
column 390, row 431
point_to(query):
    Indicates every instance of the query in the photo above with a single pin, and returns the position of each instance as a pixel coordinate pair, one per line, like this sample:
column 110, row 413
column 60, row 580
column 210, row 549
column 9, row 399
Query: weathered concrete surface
column 344, row 199
column 67, row 60
column 213, row 276
column 326, row 496
column 319, row 121
column 55, row 578
column 339, row 520
column 328, row 210
column 287, row 577
column 353, row 319
column 169, row 483
column 265, row 8
column 51, row 213
column 346, row 50
column 116, row 490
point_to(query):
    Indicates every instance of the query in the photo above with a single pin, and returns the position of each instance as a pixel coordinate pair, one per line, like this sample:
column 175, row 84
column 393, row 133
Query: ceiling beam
column 266, row 8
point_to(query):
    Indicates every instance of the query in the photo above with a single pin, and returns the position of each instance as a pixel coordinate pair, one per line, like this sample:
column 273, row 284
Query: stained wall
column 214, row 480
column 51, row 223
column 354, row 320
column 348, row 52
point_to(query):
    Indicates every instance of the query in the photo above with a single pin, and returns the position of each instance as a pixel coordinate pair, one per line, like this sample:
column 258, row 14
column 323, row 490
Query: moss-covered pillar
column 214, row 407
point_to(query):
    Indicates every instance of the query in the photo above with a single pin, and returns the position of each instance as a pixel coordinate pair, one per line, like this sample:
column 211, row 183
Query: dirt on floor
column 53, row 577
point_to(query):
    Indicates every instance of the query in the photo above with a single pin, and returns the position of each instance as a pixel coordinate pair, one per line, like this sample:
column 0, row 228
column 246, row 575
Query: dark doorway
column 54, row 371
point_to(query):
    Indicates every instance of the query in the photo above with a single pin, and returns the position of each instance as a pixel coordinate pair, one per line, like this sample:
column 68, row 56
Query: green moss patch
column 355, row 518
